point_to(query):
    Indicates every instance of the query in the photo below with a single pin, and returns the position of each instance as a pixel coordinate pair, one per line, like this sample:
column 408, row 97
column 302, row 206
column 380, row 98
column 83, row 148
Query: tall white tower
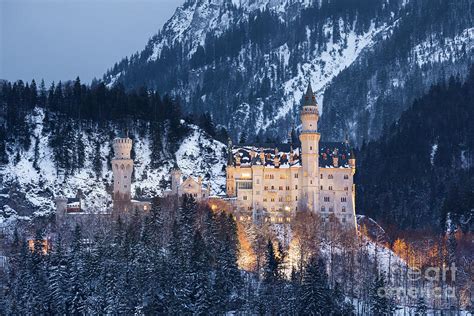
column 309, row 138
column 122, row 166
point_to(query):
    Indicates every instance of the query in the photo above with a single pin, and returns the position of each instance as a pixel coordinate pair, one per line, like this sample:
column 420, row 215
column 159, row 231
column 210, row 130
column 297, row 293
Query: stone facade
column 189, row 185
column 278, row 180
column 122, row 167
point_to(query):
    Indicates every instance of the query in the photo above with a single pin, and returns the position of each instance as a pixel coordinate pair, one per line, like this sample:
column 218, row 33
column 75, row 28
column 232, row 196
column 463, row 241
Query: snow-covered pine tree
column 315, row 294
column 380, row 304
column 58, row 276
column 76, row 272
column 201, row 289
column 421, row 308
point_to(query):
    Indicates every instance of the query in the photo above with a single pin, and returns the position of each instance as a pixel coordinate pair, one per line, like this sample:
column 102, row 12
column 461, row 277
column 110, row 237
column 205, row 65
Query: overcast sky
column 61, row 39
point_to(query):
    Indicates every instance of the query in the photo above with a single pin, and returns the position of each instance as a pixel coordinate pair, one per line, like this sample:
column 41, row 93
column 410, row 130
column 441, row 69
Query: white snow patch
column 435, row 51
column 434, row 149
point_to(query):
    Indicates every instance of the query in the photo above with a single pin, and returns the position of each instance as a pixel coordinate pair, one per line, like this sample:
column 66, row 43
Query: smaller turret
column 352, row 159
column 276, row 159
column 61, row 206
column 335, row 158
column 230, row 156
column 176, row 176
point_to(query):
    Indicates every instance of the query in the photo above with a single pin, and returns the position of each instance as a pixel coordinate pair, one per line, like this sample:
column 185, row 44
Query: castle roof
column 250, row 155
column 73, row 200
column 309, row 97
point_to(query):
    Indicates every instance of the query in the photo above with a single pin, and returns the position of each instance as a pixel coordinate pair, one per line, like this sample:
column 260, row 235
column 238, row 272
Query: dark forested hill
column 420, row 173
column 248, row 62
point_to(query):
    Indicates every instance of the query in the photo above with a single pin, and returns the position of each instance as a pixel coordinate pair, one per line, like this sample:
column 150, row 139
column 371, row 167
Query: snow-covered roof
column 251, row 155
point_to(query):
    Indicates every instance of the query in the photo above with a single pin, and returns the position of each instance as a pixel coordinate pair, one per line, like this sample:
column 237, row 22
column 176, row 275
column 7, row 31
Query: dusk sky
column 62, row 39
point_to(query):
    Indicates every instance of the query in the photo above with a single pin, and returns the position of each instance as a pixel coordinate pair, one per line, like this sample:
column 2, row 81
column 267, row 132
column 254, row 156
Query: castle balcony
column 309, row 131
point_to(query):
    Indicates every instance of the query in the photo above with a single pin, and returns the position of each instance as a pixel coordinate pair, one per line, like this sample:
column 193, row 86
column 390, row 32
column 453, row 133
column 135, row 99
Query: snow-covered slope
column 196, row 18
column 26, row 190
column 247, row 62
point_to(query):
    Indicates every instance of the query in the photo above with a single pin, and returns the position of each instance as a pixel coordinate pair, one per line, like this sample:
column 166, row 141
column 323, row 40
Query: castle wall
column 337, row 193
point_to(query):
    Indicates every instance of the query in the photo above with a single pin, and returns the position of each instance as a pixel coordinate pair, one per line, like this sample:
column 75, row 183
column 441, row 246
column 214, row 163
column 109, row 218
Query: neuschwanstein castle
column 280, row 179
column 263, row 182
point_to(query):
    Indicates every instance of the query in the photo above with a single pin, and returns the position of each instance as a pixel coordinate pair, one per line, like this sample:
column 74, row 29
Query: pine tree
column 315, row 294
column 201, row 292
column 76, row 281
column 58, row 277
column 421, row 308
column 272, row 281
column 380, row 304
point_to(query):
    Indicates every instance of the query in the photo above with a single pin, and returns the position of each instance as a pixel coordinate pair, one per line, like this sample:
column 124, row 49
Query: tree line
column 183, row 258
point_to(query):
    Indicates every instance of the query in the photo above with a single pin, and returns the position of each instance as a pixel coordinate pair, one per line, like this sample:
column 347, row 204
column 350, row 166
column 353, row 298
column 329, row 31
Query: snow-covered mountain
column 247, row 62
column 28, row 184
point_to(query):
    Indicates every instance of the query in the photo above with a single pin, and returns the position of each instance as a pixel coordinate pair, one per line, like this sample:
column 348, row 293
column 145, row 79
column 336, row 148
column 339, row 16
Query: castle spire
column 309, row 98
column 230, row 156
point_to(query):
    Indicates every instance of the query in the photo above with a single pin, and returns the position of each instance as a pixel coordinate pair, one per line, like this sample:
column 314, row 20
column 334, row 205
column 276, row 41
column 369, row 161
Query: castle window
column 327, row 199
column 273, row 187
column 287, row 188
column 280, row 199
column 343, row 199
column 269, row 176
column 330, row 188
column 321, row 175
column 310, row 147
column 346, row 177
column 280, row 188
column 323, row 209
column 244, row 185
column 264, row 199
column 330, row 176
column 310, row 181
column 125, row 177
column 265, row 188
column 296, row 176
column 288, row 198
column 296, row 187
column 195, row 195
column 296, row 198
column 343, row 219
column 343, row 209
column 331, row 209
column 272, row 200
column 245, row 198
column 346, row 189
column 321, row 188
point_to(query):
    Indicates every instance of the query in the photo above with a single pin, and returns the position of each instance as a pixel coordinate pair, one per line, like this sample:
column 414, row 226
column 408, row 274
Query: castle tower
column 309, row 138
column 122, row 167
column 176, row 177
column 61, row 206
column 230, row 171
